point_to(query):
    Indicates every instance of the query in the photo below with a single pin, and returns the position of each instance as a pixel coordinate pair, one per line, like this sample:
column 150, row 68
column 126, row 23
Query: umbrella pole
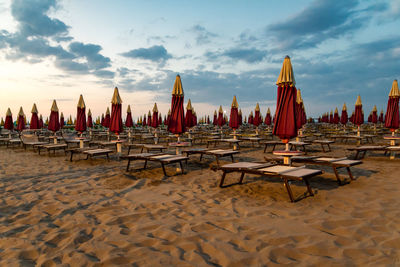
column 155, row 137
column 178, row 152
column 81, row 141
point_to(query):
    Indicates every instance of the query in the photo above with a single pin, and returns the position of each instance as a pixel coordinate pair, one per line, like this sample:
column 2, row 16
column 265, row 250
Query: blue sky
column 60, row 49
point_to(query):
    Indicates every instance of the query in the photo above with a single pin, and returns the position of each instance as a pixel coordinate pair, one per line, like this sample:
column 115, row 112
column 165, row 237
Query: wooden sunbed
column 97, row 152
column 50, row 147
column 217, row 153
column 324, row 142
column 362, row 150
column 162, row 158
column 271, row 143
column 148, row 147
column 31, row 140
column 229, row 141
column 286, row 173
column 299, row 144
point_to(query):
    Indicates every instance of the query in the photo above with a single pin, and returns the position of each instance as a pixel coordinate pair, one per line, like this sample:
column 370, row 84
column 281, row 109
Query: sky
column 59, row 49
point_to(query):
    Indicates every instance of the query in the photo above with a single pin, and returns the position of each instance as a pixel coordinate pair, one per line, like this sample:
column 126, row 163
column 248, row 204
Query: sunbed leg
column 288, row 189
column 350, row 174
column 222, row 179
column 232, row 157
column 127, row 166
column 356, row 156
column 241, row 178
column 265, row 148
column 108, row 158
column 337, row 175
column 141, row 151
column 129, row 149
column 163, row 168
column 216, row 158
column 145, row 164
column 180, row 163
column 308, row 187
column 323, row 149
column 201, row 157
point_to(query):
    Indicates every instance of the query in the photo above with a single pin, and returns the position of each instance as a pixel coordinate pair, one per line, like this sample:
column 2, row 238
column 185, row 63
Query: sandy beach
column 94, row 213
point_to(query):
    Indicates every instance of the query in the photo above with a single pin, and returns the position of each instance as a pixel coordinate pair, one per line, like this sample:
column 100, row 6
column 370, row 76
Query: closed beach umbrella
column 89, row 119
column 381, row 116
column 34, row 118
column 149, row 121
column 358, row 113
column 299, row 109
column 21, row 120
column 374, row 118
column 176, row 123
column 129, row 121
column 250, row 120
column 220, row 116
column 54, row 122
column 189, row 118
column 234, row 116
column 40, row 122
column 336, row 118
column 144, row 121
column 215, row 119
column 257, row 116
column 9, row 123
column 168, row 117
column 62, row 120
column 116, row 125
column 154, row 121
column 107, row 118
column 268, row 117
column 344, row 117
column 240, row 118
column 102, row 119
column 80, row 124
column 392, row 112
column 285, row 114
column 331, row 117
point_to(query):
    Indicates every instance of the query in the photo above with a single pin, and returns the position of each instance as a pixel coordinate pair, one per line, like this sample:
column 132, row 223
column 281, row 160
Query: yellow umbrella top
column 178, row 89
column 220, row 110
column 116, row 99
column 34, row 109
column 155, row 109
column 169, row 111
column 394, row 92
column 268, row 111
column 257, row 107
column 189, row 105
column 129, row 109
column 286, row 75
column 374, row 109
column 299, row 100
column 54, row 106
column 81, row 102
column 108, row 111
column 234, row 102
column 89, row 113
column 358, row 102
column 344, row 107
column 215, row 112
column 62, row 115
column 21, row 112
column 336, row 111
column 149, row 113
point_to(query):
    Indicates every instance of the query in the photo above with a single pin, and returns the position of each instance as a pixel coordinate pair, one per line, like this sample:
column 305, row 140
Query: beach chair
column 162, row 158
column 31, row 140
column 217, row 153
column 335, row 163
column 51, row 147
column 362, row 150
column 286, row 173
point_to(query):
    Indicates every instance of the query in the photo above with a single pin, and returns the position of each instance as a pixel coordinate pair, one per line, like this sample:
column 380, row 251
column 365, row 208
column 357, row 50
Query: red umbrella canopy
column 80, row 124
column 240, row 118
column 89, row 119
column 257, row 116
column 189, row 120
column 392, row 112
column 21, row 120
column 129, row 121
column 381, row 116
column 102, row 119
column 116, row 125
column 149, row 118
column 160, row 120
column 220, row 117
column 144, row 123
column 208, row 119
column 168, row 117
column 336, row 118
column 54, row 122
column 374, row 117
column 215, row 119
column 154, row 121
column 40, row 121
column 34, row 119
column 250, row 120
column 285, row 114
column 344, row 117
column 234, row 116
column 358, row 113
column 176, row 123
column 9, row 123
column 268, row 117
column 107, row 118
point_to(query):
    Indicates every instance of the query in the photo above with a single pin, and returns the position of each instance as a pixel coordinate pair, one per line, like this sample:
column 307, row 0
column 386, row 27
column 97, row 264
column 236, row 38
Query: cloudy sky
column 53, row 49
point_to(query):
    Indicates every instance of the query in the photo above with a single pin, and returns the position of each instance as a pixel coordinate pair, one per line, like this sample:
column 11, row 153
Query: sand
column 92, row 213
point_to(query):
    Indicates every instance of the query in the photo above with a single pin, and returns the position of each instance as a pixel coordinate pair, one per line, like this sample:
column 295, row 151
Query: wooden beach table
column 299, row 144
column 286, row 173
column 271, row 143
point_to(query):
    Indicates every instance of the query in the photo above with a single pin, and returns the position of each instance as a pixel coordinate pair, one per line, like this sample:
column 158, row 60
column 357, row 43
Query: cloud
column 32, row 18
column 320, row 21
column 91, row 53
column 202, row 35
column 249, row 55
column 156, row 53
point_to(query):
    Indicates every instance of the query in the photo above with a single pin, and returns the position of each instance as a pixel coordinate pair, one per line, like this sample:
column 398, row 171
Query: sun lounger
column 299, row 144
column 217, row 153
column 163, row 158
column 97, row 152
column 252, row 140
column 271, row 143
column 362, row 150
column 324, row 142
column 335, row 163
column 77, row 150
column 50, row 147
column 147, row 147
column 31, row 140
column 229, row 141
column 286, row 173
